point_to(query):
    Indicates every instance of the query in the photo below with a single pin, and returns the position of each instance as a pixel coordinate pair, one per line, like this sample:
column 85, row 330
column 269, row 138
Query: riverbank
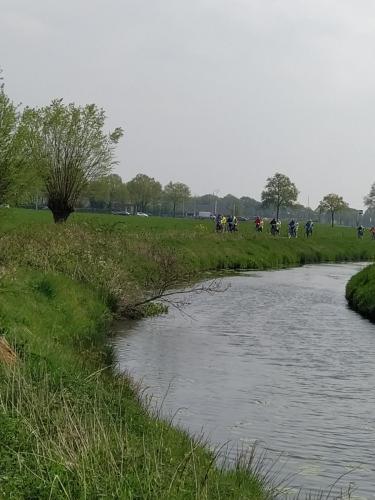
column 68, row 426
column 129, row 259
column 360, row 292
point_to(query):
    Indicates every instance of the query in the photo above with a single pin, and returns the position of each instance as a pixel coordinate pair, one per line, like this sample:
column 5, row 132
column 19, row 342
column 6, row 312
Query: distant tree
column 143, row 190
column 279, row 192
column 68, row 146
column 106, row 192
column 332, row 203
column 176, row 192
column 27, row 188
column 369, row 200
column 97, row 193
column 120, row 195
column 116, row 189
column 230, row 204
column 249, row 206
column 204, row 202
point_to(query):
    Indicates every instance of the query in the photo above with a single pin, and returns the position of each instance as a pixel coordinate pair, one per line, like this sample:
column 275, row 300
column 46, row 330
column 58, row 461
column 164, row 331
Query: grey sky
column 219, row 94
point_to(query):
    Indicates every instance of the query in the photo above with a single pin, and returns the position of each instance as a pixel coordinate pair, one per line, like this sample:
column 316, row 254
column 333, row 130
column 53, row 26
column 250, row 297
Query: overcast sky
column 219, row 94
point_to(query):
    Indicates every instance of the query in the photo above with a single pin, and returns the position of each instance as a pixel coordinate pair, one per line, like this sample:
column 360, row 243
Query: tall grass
column 127, row 258
column 70, row 428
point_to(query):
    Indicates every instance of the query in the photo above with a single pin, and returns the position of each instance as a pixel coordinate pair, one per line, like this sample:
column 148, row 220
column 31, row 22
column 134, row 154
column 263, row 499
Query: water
column 278, row 358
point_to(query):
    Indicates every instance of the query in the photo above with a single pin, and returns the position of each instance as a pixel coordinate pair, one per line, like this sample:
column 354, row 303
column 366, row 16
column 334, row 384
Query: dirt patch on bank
column 7, row 355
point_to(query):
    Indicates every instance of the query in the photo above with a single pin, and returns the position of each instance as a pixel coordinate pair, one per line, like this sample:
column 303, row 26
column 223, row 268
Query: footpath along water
column 278, row 358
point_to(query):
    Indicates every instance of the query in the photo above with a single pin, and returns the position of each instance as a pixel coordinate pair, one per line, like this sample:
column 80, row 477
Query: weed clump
column 44, row 287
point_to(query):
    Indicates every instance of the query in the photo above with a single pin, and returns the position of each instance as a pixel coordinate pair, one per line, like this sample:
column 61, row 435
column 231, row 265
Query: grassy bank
column 360, row 292
column 69, row 428
column 126, row 258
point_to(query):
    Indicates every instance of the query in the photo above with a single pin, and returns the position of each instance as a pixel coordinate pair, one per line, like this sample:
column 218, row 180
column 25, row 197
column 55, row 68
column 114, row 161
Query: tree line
column 59, row 156
column 145, row 194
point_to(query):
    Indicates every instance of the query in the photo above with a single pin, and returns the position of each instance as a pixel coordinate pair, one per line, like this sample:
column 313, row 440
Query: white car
column 121, row 213
column 142, row 214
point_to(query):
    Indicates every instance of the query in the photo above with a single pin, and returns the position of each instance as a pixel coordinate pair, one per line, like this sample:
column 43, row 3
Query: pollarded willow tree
column 279, row 192
column 68, row 147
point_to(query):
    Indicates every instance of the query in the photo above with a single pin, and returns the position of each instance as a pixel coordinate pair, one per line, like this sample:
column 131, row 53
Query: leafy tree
column 204, row 203
column 115, row 189
column 27, row 188
column 106, row 192
column 68, row 146
column 143, row 190
column 176, row 192
column 249, row 206
column 279, row 192
column 97, row 193
column 119, row 195
column 370, row 198
column 332, row 203
column 8, row 142
column 230, row 204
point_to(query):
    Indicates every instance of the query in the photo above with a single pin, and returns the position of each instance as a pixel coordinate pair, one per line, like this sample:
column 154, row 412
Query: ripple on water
column 279, row 359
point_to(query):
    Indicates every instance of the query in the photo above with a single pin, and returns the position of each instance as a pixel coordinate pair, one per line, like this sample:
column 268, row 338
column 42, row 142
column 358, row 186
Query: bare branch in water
column 169, row 281
column 214, row 286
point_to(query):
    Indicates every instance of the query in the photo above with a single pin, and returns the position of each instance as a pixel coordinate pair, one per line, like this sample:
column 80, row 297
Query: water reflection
column 279, row 358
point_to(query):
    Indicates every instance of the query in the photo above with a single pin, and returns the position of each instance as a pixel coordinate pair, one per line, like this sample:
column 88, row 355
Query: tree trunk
column 174, row 209
column 143, row 207
column 277, row 211
column 60, row 210
column 332, row 218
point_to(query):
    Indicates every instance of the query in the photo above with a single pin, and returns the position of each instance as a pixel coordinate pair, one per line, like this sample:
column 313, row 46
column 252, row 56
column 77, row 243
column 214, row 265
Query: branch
column 214, row 286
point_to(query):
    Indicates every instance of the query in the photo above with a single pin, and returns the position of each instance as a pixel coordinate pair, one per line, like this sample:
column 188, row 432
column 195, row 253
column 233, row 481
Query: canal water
column 278, row 358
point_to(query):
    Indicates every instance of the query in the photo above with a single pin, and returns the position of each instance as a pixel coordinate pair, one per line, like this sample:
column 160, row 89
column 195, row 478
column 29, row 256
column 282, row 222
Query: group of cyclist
column 275, row 227
column 225, row 223
column 229, row 223
column 361, row 232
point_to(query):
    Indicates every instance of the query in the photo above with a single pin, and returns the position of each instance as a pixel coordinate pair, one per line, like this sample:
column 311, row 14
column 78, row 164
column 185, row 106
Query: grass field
column 69, row 428
column 128, row 259
column 129, row 243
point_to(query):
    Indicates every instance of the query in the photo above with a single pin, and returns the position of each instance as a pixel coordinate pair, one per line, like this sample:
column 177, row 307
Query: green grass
column 122, row 253
column 70, row 428
column 360, row 292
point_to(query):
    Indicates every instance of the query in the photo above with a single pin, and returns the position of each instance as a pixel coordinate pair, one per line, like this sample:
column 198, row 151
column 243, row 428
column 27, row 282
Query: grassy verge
column 127, row 257
column 360, row 292
column 69, row 428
